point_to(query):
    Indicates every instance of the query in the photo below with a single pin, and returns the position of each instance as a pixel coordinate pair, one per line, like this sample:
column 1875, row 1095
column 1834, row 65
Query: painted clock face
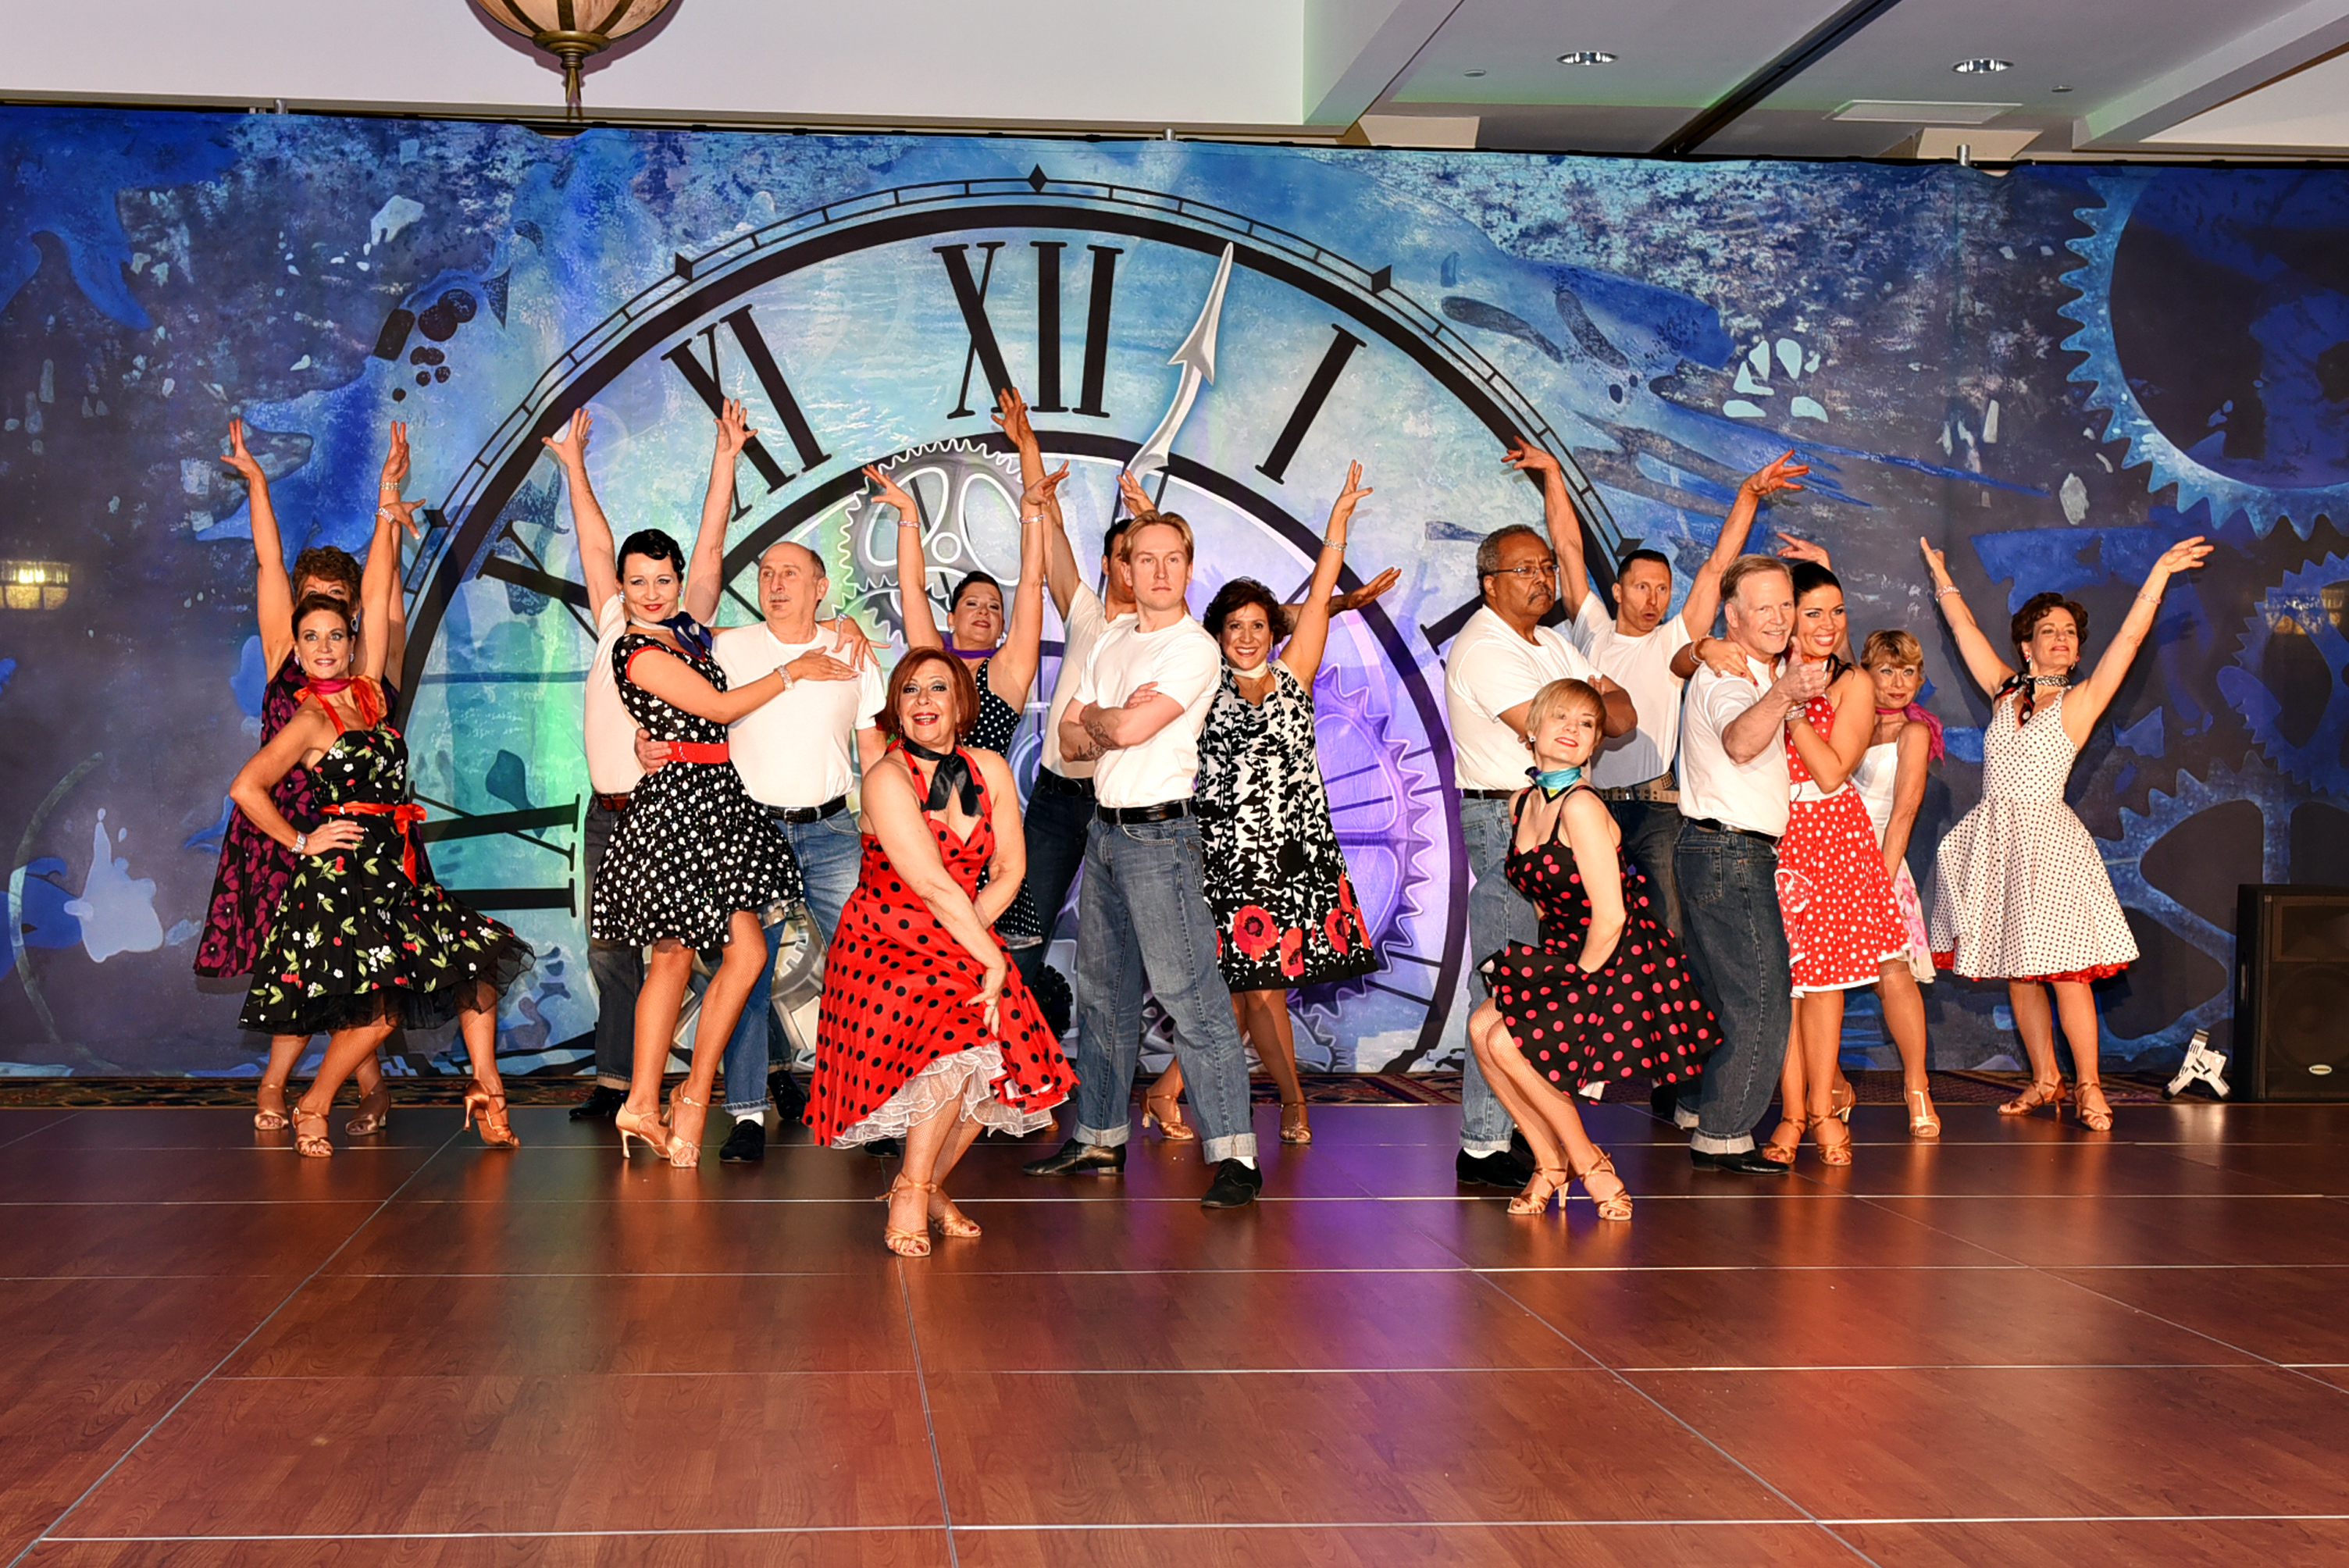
column 879, row 335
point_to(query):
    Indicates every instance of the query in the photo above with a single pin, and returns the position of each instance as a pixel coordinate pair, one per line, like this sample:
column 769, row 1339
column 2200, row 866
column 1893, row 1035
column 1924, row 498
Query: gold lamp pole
column 571, row 30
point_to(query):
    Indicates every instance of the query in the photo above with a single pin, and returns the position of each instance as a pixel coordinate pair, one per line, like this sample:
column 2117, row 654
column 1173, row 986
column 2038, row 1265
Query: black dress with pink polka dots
column 1638, row 1017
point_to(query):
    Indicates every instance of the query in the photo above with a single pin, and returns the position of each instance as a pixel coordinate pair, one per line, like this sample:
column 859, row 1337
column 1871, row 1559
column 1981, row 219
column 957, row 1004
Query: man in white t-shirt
column 1733, row 793
column 616, row 755
column 1636, row 645
column 1142, row 921
column 798, row 755
column 1500, row 659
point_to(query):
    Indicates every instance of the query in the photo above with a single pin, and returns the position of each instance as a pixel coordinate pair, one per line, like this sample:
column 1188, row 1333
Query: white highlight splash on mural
column 117, row 910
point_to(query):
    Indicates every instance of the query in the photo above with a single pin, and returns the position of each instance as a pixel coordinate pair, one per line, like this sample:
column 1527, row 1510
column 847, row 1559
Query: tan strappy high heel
column 2040, row 1093
column 1550, row 1181
column 645, row 1129
column 1923, row 1121
column 1837, row 1152
column 686, row 1116
column 489, row 1110
column 1615, row 1205
column 307, row 1144
column 1166, row 1110
column 2096, row 1118
column 374, row 1113
column 907, row 1243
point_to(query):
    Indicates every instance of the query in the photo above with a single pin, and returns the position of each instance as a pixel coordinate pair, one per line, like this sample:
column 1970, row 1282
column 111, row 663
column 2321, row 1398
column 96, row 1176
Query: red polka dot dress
column 1842, row 918
column 1638, row 1017
column 896, row 1038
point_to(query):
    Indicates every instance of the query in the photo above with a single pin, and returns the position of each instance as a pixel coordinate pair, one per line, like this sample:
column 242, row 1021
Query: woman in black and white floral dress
column 1284, row 911
column 695, row 863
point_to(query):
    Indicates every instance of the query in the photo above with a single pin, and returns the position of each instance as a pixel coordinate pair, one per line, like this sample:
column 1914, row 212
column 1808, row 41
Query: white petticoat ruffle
column 968, row 1076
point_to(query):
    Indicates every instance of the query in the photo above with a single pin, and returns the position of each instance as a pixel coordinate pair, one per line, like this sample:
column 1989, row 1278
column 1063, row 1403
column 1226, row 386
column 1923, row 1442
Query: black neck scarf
column 2028, row 685
column 950, row 778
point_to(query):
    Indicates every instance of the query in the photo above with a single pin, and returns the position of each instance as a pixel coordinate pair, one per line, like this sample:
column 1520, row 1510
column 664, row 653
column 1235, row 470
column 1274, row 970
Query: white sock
column 759, row 1116
column 1247, row 1160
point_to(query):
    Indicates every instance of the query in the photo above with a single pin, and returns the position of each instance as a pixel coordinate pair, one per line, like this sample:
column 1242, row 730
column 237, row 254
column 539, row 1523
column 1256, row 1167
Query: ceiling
column 2096, row 79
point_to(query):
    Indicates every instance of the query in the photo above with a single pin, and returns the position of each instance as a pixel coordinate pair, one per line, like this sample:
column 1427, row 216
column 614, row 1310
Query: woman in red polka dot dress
column 1844, row 926
column 925, row 1033
column 1607, row 994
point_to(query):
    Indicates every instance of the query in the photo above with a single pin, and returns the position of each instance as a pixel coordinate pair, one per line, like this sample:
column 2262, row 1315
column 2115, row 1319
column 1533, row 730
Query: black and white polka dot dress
column 693, row 846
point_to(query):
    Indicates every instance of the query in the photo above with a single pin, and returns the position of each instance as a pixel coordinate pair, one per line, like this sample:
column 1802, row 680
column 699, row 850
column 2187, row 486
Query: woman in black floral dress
column 695, row 863
column 1284, row 911
column 364, row 937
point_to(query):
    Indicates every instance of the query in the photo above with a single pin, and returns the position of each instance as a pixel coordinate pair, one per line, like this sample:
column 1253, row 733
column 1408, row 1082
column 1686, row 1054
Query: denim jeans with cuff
column 1737, row 946
column 1498, row 914
column 829, row 850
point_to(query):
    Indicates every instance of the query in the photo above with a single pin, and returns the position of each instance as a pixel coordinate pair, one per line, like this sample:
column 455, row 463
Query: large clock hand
column 1197, row 358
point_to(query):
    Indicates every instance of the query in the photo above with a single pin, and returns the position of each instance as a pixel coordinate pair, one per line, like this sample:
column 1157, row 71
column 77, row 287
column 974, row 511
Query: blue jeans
column 618, row 972
column 1737, row 946
column 1498, row 914
column 829, row 850
column 1143, row 922
column 1056, row 825
column 1651, row 832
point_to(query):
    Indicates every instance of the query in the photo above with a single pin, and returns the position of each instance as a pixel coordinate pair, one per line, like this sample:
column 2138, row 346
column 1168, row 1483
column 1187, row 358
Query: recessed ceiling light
column 1585, row 58
column 1480, row 73
column 2060, row 90
column 1982, row 68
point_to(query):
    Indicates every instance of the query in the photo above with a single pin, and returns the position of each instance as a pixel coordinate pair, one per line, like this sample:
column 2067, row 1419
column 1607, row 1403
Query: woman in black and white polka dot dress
column 695, row 863
column 2020, row 892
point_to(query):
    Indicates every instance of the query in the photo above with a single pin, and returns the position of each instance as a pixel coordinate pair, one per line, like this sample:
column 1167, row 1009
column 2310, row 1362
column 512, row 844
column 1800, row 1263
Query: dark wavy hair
column 324, row 563
column 954, row 600
column 2036, row 609
column 1235, row 593
column 965, row 692
column 313, row 602
column 653, row 545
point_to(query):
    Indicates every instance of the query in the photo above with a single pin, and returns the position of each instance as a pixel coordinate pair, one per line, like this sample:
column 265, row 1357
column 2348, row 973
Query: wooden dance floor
column 2026, row 1344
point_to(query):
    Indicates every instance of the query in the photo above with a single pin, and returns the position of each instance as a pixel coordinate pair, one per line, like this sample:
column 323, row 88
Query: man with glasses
column 1500, row 659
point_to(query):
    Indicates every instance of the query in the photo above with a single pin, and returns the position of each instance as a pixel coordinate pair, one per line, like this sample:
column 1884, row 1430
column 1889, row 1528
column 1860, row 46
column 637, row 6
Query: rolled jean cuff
column 1715, row 1143
column 1232, row 1146
column 747, row 1107
column 610, row 1080
column 1102, row 1137
column 1481, row 1147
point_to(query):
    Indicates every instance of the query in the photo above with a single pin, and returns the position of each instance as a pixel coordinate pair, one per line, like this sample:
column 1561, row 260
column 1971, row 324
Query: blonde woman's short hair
column 1559, row 695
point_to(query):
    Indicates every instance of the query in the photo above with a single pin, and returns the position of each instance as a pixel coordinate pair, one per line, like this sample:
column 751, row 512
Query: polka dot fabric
column 1639, row 1016
column 1842, row 916
column 693, row 846
column 2019, row 890
column 897, row 986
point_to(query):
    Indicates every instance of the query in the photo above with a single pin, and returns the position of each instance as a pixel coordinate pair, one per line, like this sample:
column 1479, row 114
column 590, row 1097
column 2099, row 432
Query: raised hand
column 734, row 430
column 2182, row 556
column 242, row 461
column 404, row 513
column 570, row 447
column 1343, row 507
column 1137, row 499
column 1772, row 478
column 1793, row 549
column 1011, row 415
column 394, row 461
column 1527, row 458
column 1033, row 499
column 1936, row 564
column 1369, row 592
column 887, row 491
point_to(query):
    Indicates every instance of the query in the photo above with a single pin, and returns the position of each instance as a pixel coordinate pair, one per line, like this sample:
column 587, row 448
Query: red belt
column 403, row 818
column 700, row 751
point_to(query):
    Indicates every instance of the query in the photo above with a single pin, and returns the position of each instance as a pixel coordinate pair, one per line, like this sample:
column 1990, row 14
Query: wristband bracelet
column 301, row 844
column 1945, row 593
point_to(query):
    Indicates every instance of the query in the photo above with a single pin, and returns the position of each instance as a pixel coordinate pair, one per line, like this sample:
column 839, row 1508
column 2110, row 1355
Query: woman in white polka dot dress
column 2020, row 893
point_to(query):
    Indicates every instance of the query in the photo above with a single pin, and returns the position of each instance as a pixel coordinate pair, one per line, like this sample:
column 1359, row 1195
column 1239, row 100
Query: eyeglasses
column 1541, row 568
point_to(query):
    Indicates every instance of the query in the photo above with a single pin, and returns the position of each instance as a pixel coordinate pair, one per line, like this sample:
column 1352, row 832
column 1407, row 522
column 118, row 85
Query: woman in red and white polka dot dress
column 926, row 1034
column 1844, row 926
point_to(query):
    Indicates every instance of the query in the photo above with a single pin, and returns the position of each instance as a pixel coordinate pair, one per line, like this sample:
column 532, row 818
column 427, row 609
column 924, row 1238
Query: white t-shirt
column 1187, row 667
column 799, row 749
column 1489, row 670
column 1750, row 795
column 610, row 733
column 1642, row 666
column 1086, row 622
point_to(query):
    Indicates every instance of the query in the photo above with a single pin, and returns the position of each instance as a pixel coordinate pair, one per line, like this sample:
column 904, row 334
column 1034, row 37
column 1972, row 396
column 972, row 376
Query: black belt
column 831, row 807
column 1486, row 794
column 1052, row 783
column 615, row 804
column 1165, row 812
column 1717, row 827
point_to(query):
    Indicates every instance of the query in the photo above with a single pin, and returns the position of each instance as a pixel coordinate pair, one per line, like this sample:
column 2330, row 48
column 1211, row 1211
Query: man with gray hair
column 1500, row 659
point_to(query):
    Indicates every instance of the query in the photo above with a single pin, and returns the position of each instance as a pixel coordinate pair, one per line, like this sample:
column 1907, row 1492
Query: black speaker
column 2292, row 993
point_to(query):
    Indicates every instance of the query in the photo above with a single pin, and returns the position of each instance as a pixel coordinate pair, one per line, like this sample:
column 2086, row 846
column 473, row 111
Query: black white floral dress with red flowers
column 1285, row 914
column 1638, row 1016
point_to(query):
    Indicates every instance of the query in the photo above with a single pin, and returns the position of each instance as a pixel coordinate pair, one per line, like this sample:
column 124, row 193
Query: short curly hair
column 326, row 563
column 1231, row 596
column 965, row 692
column 2037, row 608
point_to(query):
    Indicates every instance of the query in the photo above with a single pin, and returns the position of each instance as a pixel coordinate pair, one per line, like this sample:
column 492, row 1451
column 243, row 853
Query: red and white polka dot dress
column 1842, row 918
column 897, row 1036
column 1639, row 1015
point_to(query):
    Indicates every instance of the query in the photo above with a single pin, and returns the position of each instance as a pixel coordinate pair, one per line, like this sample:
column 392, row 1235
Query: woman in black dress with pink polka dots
column 1607, row 995
column 927, row 1033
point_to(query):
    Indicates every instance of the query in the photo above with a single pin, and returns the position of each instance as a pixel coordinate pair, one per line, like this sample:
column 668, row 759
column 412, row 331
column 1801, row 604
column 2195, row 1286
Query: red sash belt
column 404, row 818
column 701, row 751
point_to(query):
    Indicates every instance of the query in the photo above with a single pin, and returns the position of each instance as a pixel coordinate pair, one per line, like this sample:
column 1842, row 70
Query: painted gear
column 2265, row 505
column 2299, row 601
column 969, row 499
column 1378, row 805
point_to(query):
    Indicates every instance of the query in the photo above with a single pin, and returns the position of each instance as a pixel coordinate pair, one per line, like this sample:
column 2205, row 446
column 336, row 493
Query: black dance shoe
column 1503, row 1169
column 1235, row 1185
column 1078, row 1157
column 791, row 1099
column 1743, row 1162
column 746, row 1145
column 602, row 1101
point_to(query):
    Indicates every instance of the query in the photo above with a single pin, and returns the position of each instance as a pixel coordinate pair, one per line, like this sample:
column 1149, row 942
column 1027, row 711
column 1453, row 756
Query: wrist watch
column 301, row 844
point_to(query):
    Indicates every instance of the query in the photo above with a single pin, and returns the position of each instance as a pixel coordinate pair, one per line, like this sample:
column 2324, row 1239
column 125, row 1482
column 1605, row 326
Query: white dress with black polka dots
column 693, row 846
column 2020, row 892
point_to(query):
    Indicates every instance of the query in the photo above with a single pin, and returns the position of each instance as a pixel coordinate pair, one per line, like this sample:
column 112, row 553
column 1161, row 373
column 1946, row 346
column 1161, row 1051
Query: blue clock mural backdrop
column 2053, row 375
